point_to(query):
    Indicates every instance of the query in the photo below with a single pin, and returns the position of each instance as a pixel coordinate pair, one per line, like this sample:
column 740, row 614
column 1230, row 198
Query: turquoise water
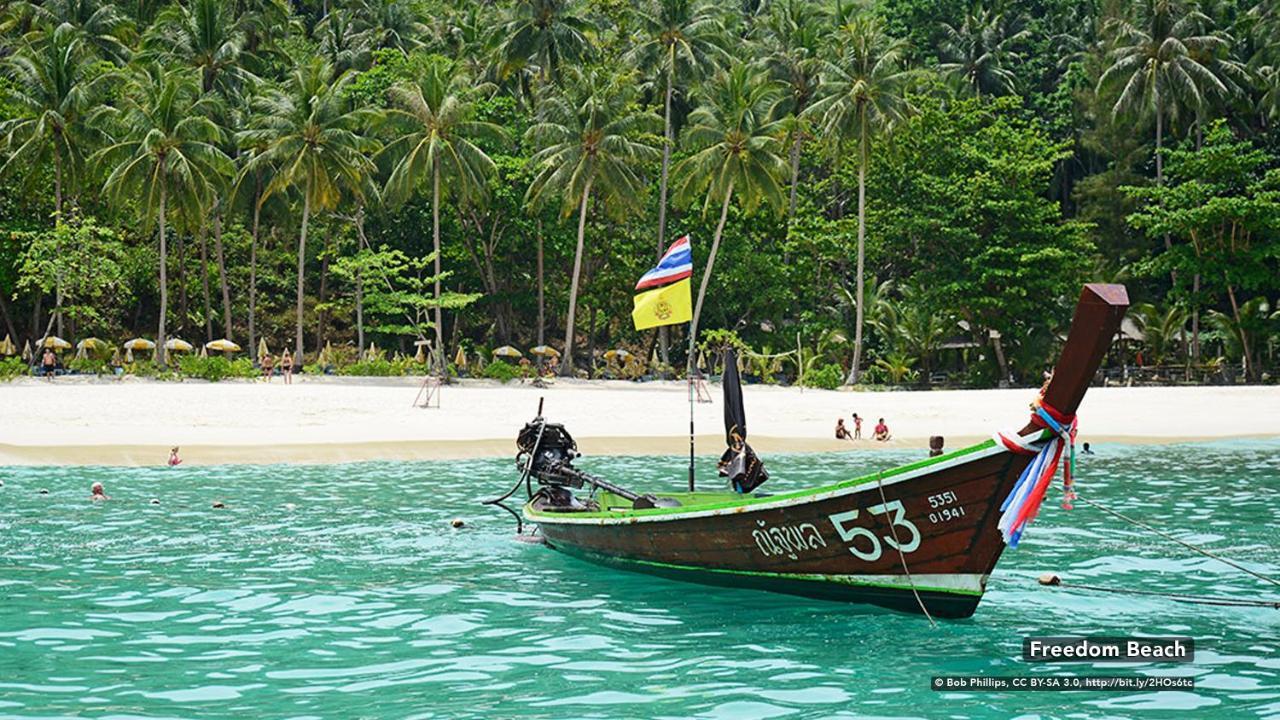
column 342, row 591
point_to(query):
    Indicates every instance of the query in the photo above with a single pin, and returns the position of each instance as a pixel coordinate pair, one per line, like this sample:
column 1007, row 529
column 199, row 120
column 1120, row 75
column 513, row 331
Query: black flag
column 739, row 462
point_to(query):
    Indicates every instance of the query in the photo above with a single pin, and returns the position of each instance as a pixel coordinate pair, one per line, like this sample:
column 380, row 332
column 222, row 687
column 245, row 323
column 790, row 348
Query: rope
column 903, row 558
column 1183, row 543
column 1177, row 597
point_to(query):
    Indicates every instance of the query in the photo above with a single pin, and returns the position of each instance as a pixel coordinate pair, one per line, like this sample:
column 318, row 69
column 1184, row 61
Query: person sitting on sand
column 286, row 366
column 98, row 493
column 857, row 427
column 268, row 365
column 842, row 432
column 881, row 431
column 174, row 460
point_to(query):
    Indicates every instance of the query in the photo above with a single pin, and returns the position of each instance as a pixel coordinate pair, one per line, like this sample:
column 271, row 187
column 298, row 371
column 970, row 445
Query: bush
column 88, row 366
column 13, row 367
column 827, row 377
column 503, row 371
column 376, row 367
column 215, row 368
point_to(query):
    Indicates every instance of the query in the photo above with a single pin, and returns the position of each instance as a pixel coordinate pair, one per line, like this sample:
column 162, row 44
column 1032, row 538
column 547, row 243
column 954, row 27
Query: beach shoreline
column 321, row 420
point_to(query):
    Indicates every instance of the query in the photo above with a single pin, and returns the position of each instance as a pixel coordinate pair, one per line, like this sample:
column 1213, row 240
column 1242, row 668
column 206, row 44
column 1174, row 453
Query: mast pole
column 689, row 377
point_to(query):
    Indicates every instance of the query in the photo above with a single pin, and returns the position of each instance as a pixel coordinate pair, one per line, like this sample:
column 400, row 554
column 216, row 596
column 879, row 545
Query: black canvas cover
column 739, row 463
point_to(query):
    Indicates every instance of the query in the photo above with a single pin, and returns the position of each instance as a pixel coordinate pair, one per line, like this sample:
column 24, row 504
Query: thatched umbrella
column 7, row 347
column 508, row 352
column 26, row 350
column 263, row 350
column 223, row 345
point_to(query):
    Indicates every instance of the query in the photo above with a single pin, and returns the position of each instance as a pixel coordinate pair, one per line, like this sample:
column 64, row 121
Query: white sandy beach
column 135, row 422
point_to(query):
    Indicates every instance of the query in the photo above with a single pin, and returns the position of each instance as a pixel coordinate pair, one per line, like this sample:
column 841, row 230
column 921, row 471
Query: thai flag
column 676, row 264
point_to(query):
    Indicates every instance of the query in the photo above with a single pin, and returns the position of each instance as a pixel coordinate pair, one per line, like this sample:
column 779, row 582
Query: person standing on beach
column 174, row 460
column 857, row 427
column 48, row 363
column 286, row 367
column 268, row 365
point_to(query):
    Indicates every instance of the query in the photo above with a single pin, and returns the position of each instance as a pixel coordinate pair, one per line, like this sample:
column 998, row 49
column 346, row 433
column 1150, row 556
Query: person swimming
column 1086, row 450
column 174, row 460
column 97, row 492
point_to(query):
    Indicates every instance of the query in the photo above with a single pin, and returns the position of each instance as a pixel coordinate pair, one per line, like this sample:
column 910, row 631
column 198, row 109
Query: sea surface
column 343, row 591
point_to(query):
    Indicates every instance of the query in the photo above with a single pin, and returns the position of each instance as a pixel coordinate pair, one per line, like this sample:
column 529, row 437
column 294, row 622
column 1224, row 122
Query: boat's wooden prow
column 1099, row 312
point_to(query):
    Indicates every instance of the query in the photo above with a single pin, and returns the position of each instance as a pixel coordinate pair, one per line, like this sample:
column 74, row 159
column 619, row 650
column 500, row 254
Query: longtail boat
column 923, row 537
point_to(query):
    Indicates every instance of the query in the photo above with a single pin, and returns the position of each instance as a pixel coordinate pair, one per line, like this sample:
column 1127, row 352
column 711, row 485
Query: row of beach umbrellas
column 93, row 344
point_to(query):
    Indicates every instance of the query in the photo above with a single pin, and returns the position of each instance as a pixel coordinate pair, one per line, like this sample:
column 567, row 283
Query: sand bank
column 134, row 422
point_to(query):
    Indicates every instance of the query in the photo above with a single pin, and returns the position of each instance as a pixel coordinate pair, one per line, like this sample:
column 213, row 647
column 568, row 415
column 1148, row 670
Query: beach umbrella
column 263, row 350
column 420, row 356
column 620, row 355
column 115, row 356
column 55, row 342
column 26, row 350
column 506, row 351
column 223, row 345
column 177, row 345
column 204, row 351
column 544, row 351
column 128, row 355
column 460, row 359
column 139, row 344
column 91, row 344
column 7, row 347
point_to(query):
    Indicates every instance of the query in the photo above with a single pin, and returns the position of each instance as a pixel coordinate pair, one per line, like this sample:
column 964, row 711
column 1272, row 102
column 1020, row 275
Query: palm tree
column 392, row 24
column 794, row 32
column 52, row 91
column 547, row 33
column 587, row 140
column 862, row 93
column 309, row 142
column 978, row 54
column 437, row 142
column 100, row 24
column 205, row 36
column 167, row 156
column 1154, row 66
column 677, row 37
column 736, row 147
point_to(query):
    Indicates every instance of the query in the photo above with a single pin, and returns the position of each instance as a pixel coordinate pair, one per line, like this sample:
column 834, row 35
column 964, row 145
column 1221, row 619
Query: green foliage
column 215, row 367
column 502, row 371
column 826, row 377
column 13, row 367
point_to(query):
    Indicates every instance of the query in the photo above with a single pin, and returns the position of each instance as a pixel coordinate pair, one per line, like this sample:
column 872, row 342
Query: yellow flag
column 664, row 306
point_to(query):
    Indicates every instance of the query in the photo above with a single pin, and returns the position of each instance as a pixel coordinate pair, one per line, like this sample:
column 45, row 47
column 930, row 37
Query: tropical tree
column 978, row 54
column 166, row 157
column 589, row 140
column 436, row 141
column 53, row 88
column 547, row 33
column 310, row 143
column 862, row 93
column 793, row 34
column 736, row 148
column 1156, row 66
column 203, row 35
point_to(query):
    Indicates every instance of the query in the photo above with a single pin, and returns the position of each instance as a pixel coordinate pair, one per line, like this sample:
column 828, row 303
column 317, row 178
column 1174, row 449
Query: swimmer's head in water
column 97, row 489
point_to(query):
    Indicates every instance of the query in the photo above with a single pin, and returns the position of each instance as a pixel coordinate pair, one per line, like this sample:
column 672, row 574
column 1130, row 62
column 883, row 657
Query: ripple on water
column 342, row 591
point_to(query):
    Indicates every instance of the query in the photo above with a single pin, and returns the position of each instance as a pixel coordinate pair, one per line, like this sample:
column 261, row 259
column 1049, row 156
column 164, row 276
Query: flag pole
column 690, row 366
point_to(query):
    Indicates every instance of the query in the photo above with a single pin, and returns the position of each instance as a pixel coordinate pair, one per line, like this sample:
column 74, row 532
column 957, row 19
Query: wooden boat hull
column 839, row 543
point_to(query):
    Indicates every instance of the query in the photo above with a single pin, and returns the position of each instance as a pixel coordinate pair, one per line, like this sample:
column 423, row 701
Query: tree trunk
column 183, row 300
column 204, row 282
column 360, row 287
column 1168, row 243
column 302, row 261
column 253, row 280
column 566, row 369
column 222, row 275
column 35, row 312
column 8, row 321
column 1001, row 361
column 322, row 316
column 855, row 370
column 542, row 320
column 160, row 352
column 1195, row 318
column 795, row 176
column 668, row 141
column 706, row 273
column 1249, row 366
column 435, row 244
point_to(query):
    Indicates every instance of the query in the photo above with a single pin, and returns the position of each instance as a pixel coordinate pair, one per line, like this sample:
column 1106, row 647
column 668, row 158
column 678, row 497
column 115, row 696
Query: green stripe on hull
column 941, row 602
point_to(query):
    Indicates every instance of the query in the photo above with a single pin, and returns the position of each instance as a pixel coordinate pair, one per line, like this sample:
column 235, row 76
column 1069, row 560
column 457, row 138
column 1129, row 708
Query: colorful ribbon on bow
column 1023, row 503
